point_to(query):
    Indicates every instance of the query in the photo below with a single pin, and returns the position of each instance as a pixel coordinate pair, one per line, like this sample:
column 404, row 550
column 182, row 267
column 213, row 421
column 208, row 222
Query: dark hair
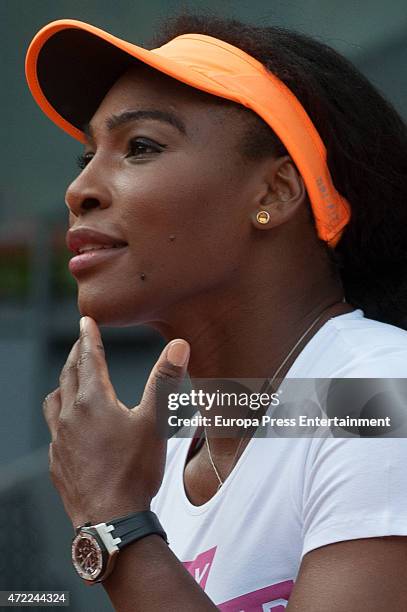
column 366, row 143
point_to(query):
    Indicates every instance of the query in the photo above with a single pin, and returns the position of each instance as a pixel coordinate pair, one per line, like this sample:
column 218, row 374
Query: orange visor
column 70, row 66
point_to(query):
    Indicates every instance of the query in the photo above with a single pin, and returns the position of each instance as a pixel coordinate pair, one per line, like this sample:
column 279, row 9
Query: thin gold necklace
column 269, row 383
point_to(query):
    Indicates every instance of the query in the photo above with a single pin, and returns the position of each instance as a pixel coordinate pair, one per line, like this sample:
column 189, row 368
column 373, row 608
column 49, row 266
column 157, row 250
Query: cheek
column 179, row 220
column 186, row 234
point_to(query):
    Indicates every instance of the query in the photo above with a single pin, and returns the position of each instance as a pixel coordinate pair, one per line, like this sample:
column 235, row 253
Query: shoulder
column 354, row 488
column 357, row 330
column 353, row 346
column 354, row 526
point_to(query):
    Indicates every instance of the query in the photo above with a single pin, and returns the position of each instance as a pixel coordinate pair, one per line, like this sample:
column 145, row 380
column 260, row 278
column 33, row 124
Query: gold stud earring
column 263, row 217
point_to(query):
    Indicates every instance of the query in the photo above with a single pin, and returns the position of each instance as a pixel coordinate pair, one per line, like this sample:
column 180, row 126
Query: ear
column 283, row 193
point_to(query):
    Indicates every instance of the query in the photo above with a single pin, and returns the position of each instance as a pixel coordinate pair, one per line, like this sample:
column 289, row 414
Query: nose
column 87, row 191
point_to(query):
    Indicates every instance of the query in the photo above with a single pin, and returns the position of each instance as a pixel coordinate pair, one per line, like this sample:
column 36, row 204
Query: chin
column 110, row 310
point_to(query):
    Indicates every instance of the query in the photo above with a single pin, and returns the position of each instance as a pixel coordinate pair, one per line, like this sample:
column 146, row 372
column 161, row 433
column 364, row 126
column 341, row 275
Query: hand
column 107, row 460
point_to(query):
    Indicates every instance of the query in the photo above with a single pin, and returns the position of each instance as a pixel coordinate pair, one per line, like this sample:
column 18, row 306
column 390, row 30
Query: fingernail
column 82, row 324
column 178, row 353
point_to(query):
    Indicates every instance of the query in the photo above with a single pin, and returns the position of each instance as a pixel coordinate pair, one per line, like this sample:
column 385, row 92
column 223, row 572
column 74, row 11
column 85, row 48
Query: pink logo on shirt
column 200, row 567
column 273, row 598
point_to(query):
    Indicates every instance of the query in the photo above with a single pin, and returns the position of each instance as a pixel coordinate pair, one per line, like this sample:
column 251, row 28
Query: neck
column 243, row 336
column 246, row 331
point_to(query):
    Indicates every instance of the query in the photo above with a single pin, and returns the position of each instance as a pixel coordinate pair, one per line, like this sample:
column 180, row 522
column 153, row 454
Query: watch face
column 87, row 556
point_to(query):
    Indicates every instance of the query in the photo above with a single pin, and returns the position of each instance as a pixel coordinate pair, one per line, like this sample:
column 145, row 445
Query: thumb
column 165, row 377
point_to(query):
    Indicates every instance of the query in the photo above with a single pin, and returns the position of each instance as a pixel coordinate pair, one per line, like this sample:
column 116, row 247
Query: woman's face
column 164, row 174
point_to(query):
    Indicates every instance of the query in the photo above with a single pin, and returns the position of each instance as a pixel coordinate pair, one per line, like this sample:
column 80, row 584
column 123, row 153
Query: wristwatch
column 95, row 547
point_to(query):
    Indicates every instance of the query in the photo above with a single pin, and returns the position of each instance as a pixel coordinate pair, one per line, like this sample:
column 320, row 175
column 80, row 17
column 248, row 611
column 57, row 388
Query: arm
column 108, row 461
column 149, row 577
column 367, row 574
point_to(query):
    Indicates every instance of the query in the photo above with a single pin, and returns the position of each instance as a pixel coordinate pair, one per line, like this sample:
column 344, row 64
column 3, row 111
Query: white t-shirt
column 287, row 496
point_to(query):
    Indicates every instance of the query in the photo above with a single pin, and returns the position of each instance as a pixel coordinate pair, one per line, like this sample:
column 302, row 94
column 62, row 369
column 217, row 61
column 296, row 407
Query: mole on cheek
column 143, row 276
column 172, row 237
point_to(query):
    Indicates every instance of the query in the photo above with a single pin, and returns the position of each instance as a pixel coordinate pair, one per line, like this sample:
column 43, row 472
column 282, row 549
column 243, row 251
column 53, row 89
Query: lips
column 83, row 239
column 92, row 248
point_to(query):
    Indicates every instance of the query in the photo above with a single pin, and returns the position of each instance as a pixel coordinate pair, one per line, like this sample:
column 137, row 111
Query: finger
column 68, row 379
column 92, row 370
column 52, row 408
column 166, row 376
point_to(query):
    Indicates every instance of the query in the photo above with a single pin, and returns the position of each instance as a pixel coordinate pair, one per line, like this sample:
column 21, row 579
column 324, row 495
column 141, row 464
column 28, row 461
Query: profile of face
column 171, row 182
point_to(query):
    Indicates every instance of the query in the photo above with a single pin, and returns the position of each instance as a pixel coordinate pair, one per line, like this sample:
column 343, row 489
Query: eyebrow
column 116, row 121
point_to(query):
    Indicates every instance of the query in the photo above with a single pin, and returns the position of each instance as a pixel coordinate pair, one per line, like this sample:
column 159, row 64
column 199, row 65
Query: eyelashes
column 140, row 146
column 137, row 148
column 83, row 160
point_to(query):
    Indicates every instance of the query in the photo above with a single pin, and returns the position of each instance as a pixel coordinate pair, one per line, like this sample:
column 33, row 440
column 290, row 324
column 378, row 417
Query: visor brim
column 70, row 66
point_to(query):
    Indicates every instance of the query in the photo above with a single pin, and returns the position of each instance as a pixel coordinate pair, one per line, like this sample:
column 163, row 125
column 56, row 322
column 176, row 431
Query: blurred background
column 38, row 312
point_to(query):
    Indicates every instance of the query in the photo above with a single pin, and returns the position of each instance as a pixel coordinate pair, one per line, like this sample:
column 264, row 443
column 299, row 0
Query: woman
column 257, row 220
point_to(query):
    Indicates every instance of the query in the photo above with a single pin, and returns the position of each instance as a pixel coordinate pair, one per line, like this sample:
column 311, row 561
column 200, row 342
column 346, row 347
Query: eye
column 140, row 147
column 83, row 160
